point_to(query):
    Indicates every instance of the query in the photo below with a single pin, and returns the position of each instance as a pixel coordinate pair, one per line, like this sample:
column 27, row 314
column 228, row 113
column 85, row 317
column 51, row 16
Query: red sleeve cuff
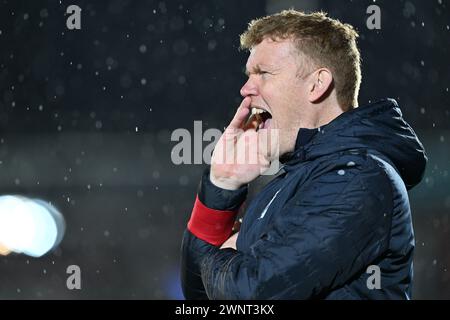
column 212, row 226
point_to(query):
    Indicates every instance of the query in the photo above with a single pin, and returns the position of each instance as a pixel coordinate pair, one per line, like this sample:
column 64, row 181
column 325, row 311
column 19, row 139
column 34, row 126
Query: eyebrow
column 256, row 69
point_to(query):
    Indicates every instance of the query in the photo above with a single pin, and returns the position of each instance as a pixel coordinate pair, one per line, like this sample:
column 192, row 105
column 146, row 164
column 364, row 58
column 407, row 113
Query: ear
column 321, row 81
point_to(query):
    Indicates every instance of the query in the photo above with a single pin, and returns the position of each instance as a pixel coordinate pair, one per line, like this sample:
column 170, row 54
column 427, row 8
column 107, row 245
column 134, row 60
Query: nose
column 249, row 88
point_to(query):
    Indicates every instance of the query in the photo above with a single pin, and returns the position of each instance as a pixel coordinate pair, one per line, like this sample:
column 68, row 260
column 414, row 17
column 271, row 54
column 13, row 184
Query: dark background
column 86, row 118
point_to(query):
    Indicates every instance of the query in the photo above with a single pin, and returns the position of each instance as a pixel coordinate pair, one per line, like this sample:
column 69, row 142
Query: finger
column 268, row 140
column 241, row 114
column 252, row 123
column 246, row 148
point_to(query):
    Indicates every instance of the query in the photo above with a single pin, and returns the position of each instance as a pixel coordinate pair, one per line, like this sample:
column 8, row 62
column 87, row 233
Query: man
column 340, row 203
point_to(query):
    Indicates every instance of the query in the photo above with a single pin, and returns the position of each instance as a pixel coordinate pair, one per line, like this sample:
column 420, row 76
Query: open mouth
column 258, row 119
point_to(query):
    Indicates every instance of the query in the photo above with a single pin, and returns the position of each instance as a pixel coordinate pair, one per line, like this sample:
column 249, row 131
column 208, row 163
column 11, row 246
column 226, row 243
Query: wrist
column 218, row 198
column 222, row 183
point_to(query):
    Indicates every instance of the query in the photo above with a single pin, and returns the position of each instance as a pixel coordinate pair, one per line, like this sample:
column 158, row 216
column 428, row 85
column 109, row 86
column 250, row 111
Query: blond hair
column 324, row 41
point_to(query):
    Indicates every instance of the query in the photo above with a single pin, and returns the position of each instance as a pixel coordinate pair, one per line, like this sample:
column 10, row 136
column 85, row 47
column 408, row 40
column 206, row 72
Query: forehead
column 271, row 53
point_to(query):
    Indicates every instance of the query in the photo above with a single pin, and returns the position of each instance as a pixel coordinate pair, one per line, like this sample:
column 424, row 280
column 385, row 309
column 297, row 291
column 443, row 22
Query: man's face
column 274, row 85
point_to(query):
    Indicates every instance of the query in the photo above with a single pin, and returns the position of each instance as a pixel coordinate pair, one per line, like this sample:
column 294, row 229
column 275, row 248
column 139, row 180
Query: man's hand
column 241, row 154
column 231, row 242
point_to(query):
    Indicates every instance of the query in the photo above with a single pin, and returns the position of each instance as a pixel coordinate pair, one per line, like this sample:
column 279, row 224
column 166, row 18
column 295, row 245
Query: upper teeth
column 257, row 111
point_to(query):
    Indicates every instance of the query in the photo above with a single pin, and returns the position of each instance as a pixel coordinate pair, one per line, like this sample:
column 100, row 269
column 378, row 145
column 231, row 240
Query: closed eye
column 264, row 72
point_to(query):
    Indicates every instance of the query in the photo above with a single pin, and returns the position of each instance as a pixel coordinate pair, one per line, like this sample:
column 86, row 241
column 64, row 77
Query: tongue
column 266, row 124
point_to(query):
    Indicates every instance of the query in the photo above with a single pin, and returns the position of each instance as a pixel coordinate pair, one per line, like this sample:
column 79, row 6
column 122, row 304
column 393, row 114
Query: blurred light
column 4, row 251
column 29, row 226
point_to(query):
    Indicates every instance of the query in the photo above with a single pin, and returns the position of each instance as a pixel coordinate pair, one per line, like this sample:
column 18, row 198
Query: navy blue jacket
column 340, row 206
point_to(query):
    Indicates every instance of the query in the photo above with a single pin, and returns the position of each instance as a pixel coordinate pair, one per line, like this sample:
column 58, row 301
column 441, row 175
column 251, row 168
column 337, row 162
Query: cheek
column 282, row 98
column 288, row 108
column 273, row 93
